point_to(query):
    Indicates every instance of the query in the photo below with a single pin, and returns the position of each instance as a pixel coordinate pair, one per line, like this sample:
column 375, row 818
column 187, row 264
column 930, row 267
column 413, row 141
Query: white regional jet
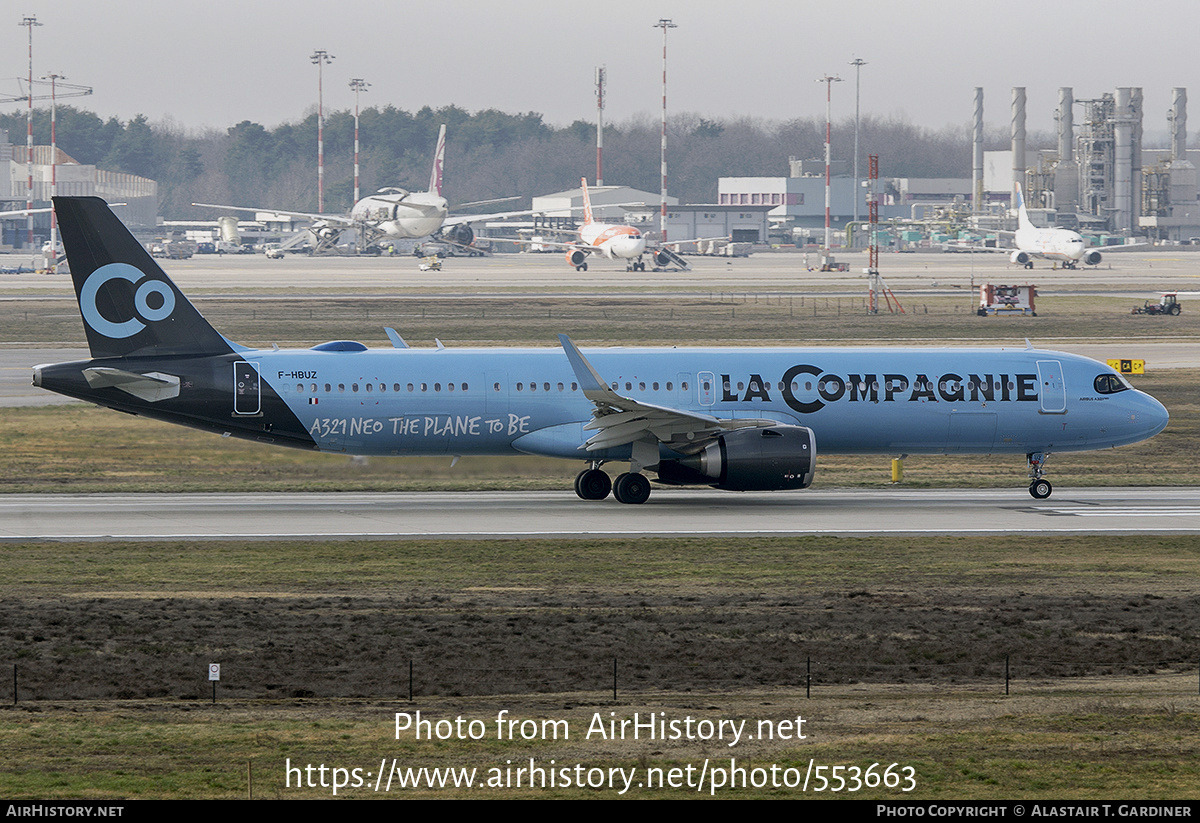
column 1062, row 245
column 742, row 419
column 394, row 213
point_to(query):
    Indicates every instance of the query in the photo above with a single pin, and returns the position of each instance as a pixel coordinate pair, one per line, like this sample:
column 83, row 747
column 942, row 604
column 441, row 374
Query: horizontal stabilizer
column 151, row 387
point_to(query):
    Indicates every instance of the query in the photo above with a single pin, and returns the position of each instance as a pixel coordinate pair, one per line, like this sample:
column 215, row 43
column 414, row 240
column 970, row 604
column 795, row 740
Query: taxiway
column 670, row 512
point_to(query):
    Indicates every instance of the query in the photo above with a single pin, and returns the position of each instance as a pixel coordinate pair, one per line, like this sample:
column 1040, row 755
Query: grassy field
column 716, row 319
column 906, row 639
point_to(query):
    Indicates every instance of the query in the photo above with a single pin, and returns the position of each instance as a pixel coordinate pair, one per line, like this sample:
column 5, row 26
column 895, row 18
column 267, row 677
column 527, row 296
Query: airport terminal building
column 74, row 179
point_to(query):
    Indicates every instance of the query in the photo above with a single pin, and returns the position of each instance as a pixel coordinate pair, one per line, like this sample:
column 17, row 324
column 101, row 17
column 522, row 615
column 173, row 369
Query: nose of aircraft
column 1153, row 415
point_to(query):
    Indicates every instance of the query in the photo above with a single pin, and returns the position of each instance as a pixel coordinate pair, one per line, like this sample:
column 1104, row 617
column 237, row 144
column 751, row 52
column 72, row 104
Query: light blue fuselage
column 857, row 400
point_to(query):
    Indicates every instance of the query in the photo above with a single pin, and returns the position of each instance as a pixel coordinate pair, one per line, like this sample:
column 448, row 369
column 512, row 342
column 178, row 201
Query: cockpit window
column 1110, row 384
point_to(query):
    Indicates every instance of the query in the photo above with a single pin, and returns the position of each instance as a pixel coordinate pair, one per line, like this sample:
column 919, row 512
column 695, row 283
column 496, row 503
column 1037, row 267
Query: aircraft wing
column 459, row 219
column 455, row 220
column 23, row 212
column 1119, row 247
column 328, row 218
column 695, row 240
column 554, row 244
column 971, row 248
column 619, row 420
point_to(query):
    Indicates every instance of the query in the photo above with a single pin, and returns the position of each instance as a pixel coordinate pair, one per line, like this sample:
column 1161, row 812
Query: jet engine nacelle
column 661, row 260
column 460, row 235
column 1092, row 258
column 1019, row 257
column 576, row 257
column 765, row 459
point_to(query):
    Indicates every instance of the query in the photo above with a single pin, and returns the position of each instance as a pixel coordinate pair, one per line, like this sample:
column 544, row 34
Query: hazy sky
column 217, row 62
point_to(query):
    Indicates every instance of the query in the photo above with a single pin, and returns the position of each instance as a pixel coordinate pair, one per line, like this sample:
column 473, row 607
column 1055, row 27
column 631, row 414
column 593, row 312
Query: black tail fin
column 129, row 305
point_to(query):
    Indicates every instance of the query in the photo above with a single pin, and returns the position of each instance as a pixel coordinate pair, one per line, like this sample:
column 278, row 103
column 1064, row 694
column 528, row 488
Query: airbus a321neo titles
column 742, row 419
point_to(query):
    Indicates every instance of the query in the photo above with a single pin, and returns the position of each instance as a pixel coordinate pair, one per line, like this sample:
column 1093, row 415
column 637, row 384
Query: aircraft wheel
column 631, row 488
column 592, row 484
column 1040, row 489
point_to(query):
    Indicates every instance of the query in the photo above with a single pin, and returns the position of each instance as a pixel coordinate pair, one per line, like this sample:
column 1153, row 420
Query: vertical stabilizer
column 129, row 305
column 1023, row 221
column 439, row 160
column 587, row 202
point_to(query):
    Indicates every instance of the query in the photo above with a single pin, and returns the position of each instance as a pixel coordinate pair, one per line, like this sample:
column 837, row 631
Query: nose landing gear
column 1039, row 487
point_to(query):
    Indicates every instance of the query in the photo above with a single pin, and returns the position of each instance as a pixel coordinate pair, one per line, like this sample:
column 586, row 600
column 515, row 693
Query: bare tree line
column 490, row 154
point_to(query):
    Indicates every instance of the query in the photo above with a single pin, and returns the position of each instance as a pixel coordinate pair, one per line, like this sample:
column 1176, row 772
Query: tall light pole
column 320, row 57
column 29, row 23
column 601, row 76
column 53, row 78
column 358, row 85
column 664, row 24
column 858, row 63
column 72, row 91
column 828, row 81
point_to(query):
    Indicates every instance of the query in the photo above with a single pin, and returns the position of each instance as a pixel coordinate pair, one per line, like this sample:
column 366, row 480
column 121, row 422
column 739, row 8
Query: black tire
column 592, row 484
column 1175, row 310
column 631, row 488
column 1040, row 489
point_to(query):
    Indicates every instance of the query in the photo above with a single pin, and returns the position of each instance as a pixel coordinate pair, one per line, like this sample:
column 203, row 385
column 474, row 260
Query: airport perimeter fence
column 33, row 681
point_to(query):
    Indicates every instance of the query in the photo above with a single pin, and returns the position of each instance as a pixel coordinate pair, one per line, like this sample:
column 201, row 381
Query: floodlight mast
column 29, row 23
column 858, row 63
column 319, row 58
column 664, row 24
column 828, row 81
column 601, row 78
column 75, row 91
column 358, row 85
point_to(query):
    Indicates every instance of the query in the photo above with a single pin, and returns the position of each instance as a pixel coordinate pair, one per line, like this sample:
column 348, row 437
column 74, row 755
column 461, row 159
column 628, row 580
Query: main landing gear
column 592, row 484
column 630, row 487
column 1039, row 487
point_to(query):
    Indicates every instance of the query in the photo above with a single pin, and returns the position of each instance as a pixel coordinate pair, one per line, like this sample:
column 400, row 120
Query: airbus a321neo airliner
column 732, row 418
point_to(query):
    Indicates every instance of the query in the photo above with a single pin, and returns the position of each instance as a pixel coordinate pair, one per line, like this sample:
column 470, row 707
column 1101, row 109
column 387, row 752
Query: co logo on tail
column 141, row 304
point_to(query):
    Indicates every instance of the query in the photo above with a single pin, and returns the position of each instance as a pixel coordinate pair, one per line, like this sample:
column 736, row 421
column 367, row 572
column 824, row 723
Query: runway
column 669, row 513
